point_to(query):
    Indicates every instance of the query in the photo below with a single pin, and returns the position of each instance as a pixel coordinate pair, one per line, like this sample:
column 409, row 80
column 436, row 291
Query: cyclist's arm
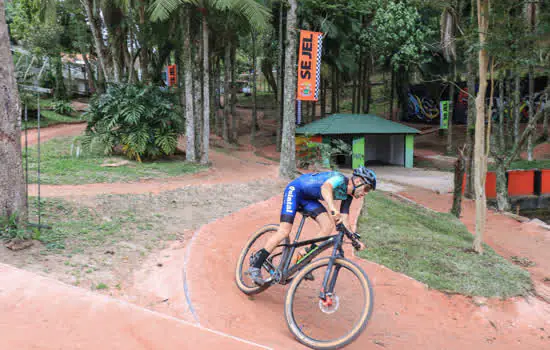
column 344, row 209
column 327, row 193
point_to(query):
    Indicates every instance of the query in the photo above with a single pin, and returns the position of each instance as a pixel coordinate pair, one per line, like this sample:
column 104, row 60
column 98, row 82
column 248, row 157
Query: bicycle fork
column 329, row 281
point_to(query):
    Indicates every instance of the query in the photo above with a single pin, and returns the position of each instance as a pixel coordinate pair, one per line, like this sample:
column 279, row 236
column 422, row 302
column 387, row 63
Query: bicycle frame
column 285, row 272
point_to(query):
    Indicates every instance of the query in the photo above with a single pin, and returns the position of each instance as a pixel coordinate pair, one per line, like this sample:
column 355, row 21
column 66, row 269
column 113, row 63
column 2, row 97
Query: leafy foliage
column 10, row 228
column 314, row 153
column 62, row 107
column 399, row 34
column 144, row 121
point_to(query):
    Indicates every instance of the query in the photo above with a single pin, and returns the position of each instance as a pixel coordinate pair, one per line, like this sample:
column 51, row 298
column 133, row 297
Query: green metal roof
column 354, row 124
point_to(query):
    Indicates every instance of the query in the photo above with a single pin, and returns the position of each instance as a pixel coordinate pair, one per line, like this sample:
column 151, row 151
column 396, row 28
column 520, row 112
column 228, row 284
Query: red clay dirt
column 542, row 151
column 41, row 313
column 50, row 132
column 239, row 167
column 407, row 314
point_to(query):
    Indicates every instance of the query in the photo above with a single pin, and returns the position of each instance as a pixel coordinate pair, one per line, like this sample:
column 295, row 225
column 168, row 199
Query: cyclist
column 303, row 194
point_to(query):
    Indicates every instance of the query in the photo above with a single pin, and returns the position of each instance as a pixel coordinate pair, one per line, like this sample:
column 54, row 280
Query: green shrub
column 314, row 153
column 62, row 107
column 143, row 121
column 10, row 228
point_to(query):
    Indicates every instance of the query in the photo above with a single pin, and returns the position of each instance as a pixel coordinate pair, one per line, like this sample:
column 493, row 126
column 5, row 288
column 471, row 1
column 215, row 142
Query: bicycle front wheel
column 321, row 326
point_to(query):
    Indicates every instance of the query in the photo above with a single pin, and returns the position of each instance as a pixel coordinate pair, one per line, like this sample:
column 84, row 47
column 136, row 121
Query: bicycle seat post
column 304, row 217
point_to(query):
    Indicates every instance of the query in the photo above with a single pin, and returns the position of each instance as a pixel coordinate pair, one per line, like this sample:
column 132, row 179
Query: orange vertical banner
column 172, row 75
column 309, row 65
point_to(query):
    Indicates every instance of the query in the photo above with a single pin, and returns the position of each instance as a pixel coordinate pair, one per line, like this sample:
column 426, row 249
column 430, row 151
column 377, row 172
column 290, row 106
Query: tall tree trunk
column 333, row 91
column 323, row 97
column 12, row 181
column 89, row 73
column 545, row 131
column 458, row 179
column 234, row 117
column 401, row 83
column 60, row 92
column 530, row 143
column 451, row 111
column 197, row 96
column 503, row 201
column 287, row 167
column 116, row 56
column 226, row 91
column 359, row 84
column 191, row 152
column 353, row 95
column 128, row 57
column 144, row 52
column 212, row 89
column 95, row 27
column 337, row 91
column 206, row 93
column 480, row 159
column 392, row 83
column 369, row 86
column 517, row 116
column 469, row 187
column 280, row 75
column 254, row 113
column 217, row 85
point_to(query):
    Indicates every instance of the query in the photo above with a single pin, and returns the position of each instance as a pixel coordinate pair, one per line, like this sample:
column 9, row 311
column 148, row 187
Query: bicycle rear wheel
column 319, row 326
column 255, row 243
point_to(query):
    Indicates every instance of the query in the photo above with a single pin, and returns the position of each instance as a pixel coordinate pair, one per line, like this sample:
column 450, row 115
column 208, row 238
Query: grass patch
column 427, row 164
column 59, row 166
column 101, row 286
column 535, row 164
column 435, row 248
column 48, row 118
column 73, row 226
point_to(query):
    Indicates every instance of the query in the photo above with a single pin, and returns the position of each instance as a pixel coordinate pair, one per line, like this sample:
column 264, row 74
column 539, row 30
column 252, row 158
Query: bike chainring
column 332, row 306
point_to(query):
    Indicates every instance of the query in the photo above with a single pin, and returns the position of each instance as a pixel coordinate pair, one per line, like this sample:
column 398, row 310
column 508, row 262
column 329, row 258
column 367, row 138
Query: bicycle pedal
column 309, row 276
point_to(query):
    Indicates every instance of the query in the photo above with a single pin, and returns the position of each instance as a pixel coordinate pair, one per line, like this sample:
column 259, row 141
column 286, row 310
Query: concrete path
column 434, row 180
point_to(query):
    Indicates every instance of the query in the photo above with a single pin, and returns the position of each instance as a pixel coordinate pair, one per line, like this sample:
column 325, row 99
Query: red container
column 490, row 185
column 545, row 181
column 521, row 182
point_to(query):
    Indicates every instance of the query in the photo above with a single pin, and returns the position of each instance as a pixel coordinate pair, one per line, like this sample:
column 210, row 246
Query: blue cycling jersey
column 304, row 193
column 310, row 184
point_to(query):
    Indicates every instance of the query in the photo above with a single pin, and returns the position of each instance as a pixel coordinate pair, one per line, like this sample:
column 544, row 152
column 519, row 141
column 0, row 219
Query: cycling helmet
column 367, row 175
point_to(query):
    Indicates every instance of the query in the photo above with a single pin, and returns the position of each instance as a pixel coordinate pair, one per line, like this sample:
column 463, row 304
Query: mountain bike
column 313, row 289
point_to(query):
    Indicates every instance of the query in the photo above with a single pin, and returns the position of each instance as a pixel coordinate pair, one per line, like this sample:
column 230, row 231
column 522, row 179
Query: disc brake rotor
column 331, row 307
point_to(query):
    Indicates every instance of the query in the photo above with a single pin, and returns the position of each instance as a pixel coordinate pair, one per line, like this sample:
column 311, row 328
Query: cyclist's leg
column 291, row 200
column 321, row 216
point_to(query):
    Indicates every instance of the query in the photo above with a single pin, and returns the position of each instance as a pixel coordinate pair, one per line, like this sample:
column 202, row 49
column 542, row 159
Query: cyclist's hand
column 361, row 245
column 336, row 216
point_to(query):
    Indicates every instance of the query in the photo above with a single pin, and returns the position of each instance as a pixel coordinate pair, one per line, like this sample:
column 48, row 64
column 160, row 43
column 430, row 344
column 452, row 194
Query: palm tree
column 12, row 183
column 255, row 13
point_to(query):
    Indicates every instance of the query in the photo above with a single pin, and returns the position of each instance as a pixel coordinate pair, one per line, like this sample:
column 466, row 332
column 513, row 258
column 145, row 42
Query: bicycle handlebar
column 353, row 236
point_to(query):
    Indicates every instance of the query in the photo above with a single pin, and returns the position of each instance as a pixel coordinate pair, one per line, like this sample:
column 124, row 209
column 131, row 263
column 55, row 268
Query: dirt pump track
column 199, row 280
